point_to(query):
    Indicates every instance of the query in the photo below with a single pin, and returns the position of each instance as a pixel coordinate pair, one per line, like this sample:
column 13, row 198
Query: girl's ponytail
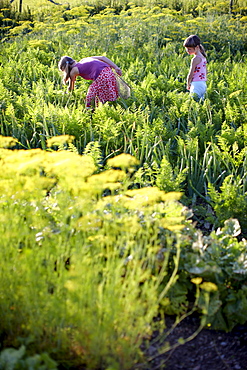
column 202, row 50
column 67, row 70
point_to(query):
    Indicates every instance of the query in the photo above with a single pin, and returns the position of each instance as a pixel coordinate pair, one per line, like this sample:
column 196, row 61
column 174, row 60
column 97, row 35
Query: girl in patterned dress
column 197, row 76
column 96, row 68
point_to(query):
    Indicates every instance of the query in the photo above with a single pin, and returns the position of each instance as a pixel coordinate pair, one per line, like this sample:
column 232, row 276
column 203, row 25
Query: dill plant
column 81, row 270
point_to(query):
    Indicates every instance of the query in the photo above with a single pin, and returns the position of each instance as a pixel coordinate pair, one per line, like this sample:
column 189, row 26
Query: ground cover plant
column 130, row 213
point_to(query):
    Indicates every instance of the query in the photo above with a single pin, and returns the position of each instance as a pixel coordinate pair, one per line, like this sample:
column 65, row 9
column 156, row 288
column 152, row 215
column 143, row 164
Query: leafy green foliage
column 12, row 359
column 230, row 200
column 218, row 259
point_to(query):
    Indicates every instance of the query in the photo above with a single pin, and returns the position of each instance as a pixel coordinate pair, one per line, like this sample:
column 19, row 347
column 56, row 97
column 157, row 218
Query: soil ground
column 210, row 350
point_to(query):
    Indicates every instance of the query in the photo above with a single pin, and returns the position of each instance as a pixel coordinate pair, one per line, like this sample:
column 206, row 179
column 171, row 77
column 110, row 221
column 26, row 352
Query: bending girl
column 96, row 68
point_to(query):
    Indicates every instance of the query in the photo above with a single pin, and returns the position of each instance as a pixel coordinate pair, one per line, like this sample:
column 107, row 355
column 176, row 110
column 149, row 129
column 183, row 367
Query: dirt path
column 210, row 350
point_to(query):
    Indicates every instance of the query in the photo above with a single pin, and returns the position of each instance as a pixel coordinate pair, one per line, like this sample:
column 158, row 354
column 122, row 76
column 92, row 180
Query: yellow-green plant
column 81, row 277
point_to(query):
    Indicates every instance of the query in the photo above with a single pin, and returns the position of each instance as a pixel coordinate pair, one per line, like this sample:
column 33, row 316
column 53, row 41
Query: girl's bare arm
column 194, row 62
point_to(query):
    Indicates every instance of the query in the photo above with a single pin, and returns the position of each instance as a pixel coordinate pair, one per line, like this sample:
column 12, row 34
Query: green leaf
column 10, row 357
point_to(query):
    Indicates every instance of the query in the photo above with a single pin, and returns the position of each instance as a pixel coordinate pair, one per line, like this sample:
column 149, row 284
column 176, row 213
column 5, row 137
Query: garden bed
column 211, row 349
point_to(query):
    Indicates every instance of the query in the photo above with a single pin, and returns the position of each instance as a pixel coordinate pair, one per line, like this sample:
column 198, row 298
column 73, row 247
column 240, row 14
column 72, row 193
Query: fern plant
column 230, row 200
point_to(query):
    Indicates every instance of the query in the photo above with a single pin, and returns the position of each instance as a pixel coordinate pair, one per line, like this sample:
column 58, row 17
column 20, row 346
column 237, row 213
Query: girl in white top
column 197, row 76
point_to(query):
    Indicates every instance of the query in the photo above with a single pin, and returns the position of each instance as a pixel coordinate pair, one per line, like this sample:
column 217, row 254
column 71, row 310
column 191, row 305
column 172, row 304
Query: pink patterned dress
column 104, row 87
column 198, row 85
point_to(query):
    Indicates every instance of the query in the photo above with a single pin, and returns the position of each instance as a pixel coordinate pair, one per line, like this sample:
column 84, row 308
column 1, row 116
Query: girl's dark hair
column 64, row 65
column 192, row 41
